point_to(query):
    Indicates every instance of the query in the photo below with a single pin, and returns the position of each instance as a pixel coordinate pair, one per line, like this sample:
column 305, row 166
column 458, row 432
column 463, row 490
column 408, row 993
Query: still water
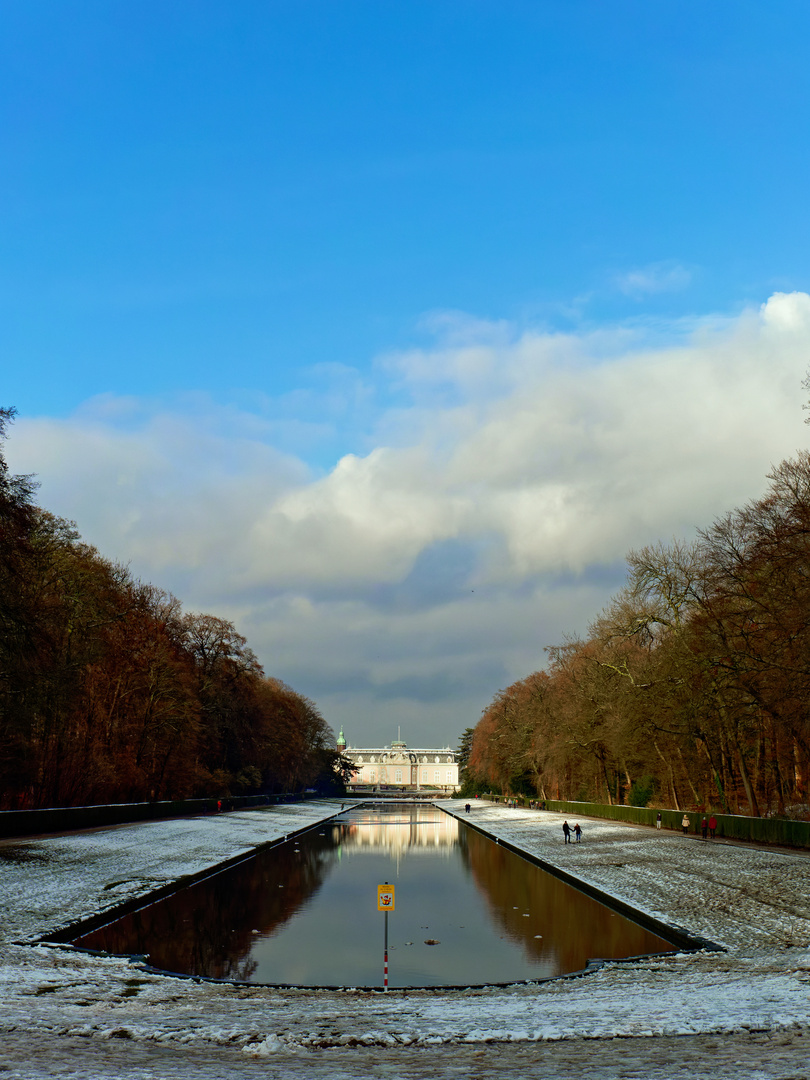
column 305, row 913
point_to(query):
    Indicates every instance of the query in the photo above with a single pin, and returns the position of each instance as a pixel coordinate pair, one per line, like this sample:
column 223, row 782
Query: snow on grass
column 753, row 901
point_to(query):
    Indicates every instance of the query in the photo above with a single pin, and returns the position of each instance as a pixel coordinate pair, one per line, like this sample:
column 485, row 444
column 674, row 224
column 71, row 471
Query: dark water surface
column 306, row 912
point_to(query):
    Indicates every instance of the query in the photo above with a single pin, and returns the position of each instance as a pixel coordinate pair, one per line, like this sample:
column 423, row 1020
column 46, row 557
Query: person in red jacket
column 712, row 826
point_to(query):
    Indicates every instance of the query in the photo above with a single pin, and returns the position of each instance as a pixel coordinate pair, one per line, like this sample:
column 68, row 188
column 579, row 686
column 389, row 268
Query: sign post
column 385, row 902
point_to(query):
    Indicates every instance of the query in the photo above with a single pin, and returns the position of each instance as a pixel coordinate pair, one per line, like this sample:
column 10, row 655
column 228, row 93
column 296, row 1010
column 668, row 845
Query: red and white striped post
column 385, row 962
column 385, row 902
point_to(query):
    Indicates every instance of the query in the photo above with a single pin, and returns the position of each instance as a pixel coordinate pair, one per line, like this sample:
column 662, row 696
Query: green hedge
column 732, row 826
column 65, row 819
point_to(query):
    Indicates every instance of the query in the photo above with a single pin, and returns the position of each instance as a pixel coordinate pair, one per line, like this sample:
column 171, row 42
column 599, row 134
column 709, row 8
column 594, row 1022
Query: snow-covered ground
column 740, row 1012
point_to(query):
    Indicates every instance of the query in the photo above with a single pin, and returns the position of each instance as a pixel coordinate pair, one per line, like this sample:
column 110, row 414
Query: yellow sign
column 385, row 898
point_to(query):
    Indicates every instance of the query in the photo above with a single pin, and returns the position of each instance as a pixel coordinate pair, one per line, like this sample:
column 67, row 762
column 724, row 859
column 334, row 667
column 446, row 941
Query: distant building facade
column 398, row 767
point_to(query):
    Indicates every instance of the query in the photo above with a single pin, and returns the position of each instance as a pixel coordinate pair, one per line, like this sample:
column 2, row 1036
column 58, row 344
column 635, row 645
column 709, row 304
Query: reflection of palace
column 392, row 834
column 396, row 768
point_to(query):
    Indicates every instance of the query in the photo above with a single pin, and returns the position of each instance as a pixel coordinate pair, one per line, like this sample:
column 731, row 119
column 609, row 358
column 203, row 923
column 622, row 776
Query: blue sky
column 406, row 297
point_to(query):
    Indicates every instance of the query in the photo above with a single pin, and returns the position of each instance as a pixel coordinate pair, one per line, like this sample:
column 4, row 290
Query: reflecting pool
column 467, row 912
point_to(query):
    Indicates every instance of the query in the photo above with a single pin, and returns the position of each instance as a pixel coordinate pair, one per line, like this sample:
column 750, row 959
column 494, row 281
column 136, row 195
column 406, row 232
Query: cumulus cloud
column 487, row 513
column 788, row 312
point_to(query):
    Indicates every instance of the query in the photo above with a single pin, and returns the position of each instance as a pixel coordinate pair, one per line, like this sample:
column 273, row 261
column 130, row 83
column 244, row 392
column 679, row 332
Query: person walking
column 658, row 820
column 712, row 826
column 578, row 832
column 567, row 832
column 685, row 824
column 704, row 828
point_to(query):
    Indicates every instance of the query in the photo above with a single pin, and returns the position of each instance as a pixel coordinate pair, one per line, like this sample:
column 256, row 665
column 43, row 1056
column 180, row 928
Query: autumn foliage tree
column 110, row 692
column 692, row 686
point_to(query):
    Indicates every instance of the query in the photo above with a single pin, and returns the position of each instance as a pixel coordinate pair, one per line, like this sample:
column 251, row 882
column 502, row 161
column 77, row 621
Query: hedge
column 66, row 819
column 731, row 826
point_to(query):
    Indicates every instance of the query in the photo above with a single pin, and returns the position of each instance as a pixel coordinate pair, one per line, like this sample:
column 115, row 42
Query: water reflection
column 305, row 912
column 548, row 918
column 397, row 831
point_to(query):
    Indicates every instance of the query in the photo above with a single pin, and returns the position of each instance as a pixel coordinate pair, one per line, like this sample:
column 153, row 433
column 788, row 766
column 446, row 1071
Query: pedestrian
column 467, row 807
column 685, row 824
column 578, row 832
column 712, row 826
column 567, row 832
column 704, row 827
column 658, row 820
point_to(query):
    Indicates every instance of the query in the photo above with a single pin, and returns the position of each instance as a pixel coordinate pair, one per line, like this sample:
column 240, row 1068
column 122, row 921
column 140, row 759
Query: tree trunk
column 671, row 774
column 798, row 769
column 689, row 778
column 704, row 744
column 750, row 794
column 779, row 781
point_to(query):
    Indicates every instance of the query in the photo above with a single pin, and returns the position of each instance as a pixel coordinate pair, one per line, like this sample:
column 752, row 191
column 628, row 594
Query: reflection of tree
column 574, row 927
column 206, row 929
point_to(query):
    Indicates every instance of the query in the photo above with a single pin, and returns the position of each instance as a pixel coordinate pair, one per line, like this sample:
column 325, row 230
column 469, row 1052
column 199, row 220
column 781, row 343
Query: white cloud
column 787, row 312
column 491, row 516
column 658, row 277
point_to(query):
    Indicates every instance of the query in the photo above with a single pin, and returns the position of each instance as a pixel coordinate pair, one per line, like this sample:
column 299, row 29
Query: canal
column 467, row 912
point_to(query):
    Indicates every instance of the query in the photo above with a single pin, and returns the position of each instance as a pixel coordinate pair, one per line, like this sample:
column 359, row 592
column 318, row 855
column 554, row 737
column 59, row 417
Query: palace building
column 399, row 768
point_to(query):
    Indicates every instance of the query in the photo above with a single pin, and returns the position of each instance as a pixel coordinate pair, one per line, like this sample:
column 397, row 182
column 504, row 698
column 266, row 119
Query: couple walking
column 567, row 832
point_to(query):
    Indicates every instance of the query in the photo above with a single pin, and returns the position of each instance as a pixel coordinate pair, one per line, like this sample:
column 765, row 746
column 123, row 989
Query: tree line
column 110, row 692
column 692, row 687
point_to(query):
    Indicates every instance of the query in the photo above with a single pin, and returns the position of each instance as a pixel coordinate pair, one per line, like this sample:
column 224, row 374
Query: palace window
column 436, row 776
column 398, row 776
